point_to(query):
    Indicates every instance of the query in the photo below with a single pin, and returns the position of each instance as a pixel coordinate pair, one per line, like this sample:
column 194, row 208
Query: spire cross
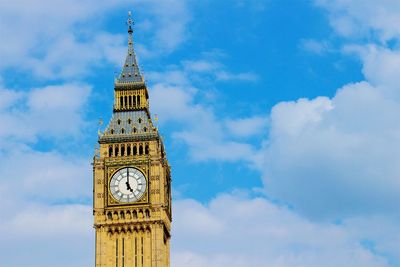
column 130, row 22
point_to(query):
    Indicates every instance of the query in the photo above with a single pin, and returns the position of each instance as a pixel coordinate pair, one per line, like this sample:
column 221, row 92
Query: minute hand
column 128, row 186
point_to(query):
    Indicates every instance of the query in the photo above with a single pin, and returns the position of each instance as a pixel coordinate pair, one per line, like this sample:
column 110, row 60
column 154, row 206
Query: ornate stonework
column 132, row 216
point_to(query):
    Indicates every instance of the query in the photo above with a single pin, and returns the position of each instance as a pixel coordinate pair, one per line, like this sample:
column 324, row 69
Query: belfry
column 131, row 179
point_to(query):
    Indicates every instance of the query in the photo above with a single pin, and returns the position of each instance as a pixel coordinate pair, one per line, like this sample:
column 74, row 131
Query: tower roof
column 130, row 71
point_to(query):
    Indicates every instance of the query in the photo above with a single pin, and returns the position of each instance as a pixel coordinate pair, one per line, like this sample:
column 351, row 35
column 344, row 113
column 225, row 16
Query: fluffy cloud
column 47, row 236
column 339, row 157
column 247, row 127
column 50, row 43
column 51, row 111
column 44, row 176
column 46, row 40
column 206, row 136
column 336, row 157
column 364, row 18
column 315, row 46
column 256, row 232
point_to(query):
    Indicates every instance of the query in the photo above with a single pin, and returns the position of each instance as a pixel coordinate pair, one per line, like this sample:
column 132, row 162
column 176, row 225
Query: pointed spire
column 130, row 72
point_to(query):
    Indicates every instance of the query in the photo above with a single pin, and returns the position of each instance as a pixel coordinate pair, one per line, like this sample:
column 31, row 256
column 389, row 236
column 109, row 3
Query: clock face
column 128, row 185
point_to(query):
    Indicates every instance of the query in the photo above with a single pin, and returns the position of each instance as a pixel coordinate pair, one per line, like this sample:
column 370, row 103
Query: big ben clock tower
column 131, row 179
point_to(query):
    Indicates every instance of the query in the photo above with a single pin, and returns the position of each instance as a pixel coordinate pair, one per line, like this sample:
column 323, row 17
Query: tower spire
column 130, row 71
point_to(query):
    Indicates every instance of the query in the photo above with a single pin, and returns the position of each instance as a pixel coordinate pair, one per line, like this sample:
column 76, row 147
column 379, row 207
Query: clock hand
column 128, row 186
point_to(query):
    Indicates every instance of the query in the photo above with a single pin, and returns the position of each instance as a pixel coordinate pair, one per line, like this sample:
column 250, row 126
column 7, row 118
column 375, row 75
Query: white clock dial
column 128, row 185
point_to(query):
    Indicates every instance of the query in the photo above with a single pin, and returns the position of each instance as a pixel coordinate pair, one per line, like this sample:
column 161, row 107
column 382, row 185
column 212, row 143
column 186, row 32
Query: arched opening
column 145, row 129
column 134, row 101
column 122, row 130
column 134, row 214
column 110, row 151
column 112, row 131
column 118, row 121
column 141, row 150
column 146, row 149
column 122, row 215
column 116, row 151
column 138, row 100
column 128, row 215
column 126, row 102
column 121, row 101
column 122, row 150
column 135, row 150
column 128, row 150
column 109, row 215
column 129, row 121
column 134, row 130
column 140, row 120
column 147, row 213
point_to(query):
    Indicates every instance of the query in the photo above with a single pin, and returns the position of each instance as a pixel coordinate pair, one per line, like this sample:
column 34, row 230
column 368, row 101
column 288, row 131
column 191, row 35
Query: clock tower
column 131, row 179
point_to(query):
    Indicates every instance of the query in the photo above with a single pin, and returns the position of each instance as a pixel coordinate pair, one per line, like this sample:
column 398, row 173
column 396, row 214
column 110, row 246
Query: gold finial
column 130, row 22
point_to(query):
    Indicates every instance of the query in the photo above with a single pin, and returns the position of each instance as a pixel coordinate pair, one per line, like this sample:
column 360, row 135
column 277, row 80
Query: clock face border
column 111, row 201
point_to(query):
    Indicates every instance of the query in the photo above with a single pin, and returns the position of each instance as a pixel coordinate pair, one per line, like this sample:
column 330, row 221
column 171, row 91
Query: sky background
column 280, row 119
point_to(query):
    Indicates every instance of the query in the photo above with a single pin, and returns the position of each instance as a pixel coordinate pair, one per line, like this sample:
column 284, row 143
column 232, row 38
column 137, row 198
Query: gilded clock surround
column 135, row 234
column 112, row 170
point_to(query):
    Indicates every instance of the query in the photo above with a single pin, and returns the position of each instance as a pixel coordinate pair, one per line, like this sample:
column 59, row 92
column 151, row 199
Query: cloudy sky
column 280, row 117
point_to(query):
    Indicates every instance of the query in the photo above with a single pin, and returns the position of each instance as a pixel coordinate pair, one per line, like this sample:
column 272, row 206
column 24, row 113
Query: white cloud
column 244, row 76
column 54, row 111
column 202, row 132
column 48, row 236
column 46, row 38
column 255, row 232
column 333, row 158
column 315, row 46
column 363, row 18
column 48, row 177
column 201, row 65
column 247, row 127
column 380, row 65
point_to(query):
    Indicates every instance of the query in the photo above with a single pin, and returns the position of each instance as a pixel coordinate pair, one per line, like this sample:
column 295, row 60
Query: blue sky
column 280, row 120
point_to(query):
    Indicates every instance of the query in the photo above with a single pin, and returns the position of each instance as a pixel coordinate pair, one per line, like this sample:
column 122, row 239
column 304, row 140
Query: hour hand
column 128, row 186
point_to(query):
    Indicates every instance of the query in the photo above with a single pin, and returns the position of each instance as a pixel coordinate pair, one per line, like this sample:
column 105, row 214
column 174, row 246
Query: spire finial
column 130, row 22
